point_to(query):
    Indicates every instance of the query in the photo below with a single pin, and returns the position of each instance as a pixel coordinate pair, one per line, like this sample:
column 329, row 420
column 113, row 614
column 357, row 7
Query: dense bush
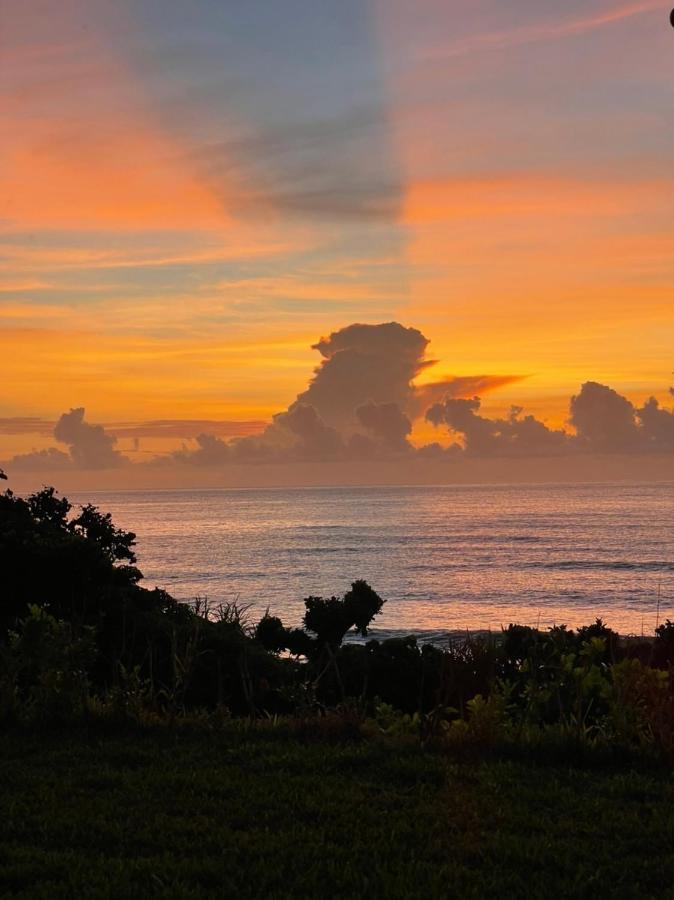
column 45, row 669
column 79, row 635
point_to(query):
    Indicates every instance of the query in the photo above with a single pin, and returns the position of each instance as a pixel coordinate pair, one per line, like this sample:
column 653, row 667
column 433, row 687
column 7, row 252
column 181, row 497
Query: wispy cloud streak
column 533, row 34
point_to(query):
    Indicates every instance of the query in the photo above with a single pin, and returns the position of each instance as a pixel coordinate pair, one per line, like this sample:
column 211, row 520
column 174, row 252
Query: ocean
column 445, row 559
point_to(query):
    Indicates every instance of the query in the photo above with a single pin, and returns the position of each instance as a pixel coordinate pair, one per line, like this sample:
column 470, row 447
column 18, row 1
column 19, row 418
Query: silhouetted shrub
column 598, row 629
column 663, row 648
column 271, row 633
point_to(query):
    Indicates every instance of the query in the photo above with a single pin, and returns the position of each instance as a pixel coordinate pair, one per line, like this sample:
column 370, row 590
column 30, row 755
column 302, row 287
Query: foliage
column 69, row 563
column 80, row 636
column 44, row 669
column 78, row 568
column 330, row 619
column 642, row 709
column 271, row 633
column 663, row 648
column 487, row 718
column 393, row 722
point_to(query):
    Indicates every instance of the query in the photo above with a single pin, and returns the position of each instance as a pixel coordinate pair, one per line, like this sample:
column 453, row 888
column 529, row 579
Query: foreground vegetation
column 155, row 748
column 81, row 639
column 267, row 811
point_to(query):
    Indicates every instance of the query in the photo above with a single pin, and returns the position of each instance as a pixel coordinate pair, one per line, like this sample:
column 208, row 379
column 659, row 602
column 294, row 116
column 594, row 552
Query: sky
column 195, row 197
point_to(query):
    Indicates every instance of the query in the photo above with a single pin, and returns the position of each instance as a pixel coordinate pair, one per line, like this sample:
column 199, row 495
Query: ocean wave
column 606, row 565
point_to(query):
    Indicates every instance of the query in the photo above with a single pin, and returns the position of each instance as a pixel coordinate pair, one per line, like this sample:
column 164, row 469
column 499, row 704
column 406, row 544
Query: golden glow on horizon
column 153, row 293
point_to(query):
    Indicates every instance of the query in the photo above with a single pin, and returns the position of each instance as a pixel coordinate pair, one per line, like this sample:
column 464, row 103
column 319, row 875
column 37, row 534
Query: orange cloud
column 525, row 196
column 33, row 311
column 23, row 286
column 562, row 28
column 81, row 148
column 212, row 248
column 77, row 183
column 463, row 386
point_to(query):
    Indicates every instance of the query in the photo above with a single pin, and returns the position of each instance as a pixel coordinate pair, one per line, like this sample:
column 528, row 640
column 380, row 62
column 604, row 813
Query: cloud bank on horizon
column 361, row 404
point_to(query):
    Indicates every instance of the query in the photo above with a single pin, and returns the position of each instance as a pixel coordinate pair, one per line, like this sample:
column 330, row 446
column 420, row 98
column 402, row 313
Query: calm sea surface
column 444, row 558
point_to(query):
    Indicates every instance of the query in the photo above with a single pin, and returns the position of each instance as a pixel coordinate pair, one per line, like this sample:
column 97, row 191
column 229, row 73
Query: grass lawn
column 178, row 814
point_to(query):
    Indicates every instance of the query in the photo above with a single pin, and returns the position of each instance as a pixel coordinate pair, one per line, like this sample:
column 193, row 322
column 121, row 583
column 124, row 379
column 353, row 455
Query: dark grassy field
column 178, row 814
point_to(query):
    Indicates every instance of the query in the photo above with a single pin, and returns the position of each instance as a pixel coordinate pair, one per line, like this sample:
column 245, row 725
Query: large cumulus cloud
column 603, row 419
column 358, row 404
column 89, row 447
column 364, row 363
column 608, row 422
column 378, row 363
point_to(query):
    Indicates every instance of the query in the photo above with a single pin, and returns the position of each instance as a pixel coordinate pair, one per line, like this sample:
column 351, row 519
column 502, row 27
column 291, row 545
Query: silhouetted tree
column 76, row 568
column 271, row 633
column 330, row 619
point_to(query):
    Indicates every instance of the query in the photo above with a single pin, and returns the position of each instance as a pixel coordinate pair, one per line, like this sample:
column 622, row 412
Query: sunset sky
column 193, row 194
